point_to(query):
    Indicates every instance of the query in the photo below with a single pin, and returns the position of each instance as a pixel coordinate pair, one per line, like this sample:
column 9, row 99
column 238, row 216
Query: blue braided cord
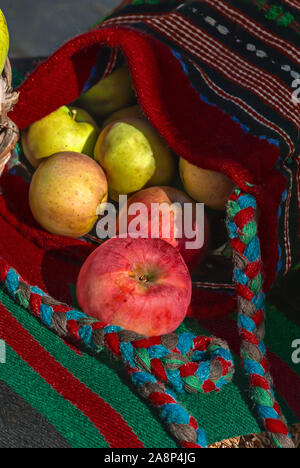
column 158, row 351
column 240, row 277
column 247, row 323
column 201, row 438
column 199, row 356
column 267, row 412
column 247, row 201
column 203, row 371
column 252, row 367
column 86, row 334
column 233, row 233
column 37, row 290
column 259, row 301
column 112, row 329
column 12, row 281
column 46, row 314
column 175, row 380
column 252, row 251
column 221, row 383
column 175, row 413
column 75, row 315
column 140, row 378
column 222, row 352
column 127, row 352
column 262, row 347
column 185, row 342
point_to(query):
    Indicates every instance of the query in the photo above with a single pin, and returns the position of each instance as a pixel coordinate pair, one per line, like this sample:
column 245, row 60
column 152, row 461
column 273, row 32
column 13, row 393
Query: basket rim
column 9, row 132
column 7, row 71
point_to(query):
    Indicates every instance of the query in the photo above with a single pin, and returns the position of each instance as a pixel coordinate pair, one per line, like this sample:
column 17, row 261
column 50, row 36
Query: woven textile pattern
column 217, row 79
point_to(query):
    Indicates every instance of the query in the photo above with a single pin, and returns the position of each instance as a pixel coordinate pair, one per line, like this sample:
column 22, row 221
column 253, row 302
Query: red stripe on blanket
column 110, row 424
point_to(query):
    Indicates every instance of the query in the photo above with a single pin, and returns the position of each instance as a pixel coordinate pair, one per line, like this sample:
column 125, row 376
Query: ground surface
column 39, row 27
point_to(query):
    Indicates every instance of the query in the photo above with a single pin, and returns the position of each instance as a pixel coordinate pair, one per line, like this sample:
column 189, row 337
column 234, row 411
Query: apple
column 208, row 187
column 133, row 156
column 66, row 129
column 128, row 112
column 29, row 156
column 174, row 218
column 65, row 193
column 110, row 94
column 165, row 166
column 4, row 41
column 142, row 285
column 127, row 158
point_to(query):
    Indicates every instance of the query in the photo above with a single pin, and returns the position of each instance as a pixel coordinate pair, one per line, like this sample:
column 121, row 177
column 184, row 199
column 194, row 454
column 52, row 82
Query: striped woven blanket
column 219, row 79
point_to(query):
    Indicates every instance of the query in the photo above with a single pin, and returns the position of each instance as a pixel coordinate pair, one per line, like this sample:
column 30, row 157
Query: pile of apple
column 102, row 147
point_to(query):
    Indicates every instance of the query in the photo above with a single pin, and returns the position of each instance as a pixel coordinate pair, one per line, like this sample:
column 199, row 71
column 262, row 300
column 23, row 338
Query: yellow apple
column 165, row 166
column 208, row 187
column 66, row 129
column 127, row 158
column 129, row 150
column 4, row 41
column 109, row 95
column 65, row 193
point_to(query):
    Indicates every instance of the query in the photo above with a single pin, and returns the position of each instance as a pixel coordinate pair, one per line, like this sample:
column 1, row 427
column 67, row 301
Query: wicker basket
column 9, row 133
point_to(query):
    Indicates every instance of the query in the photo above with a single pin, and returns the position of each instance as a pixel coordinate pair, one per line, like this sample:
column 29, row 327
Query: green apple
column 126, row 156
column 66, row 129
column 4, row 41
column 109, row 95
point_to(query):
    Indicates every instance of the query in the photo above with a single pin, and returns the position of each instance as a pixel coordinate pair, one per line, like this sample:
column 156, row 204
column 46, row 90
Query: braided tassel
column 185, row 362
column 242, row 228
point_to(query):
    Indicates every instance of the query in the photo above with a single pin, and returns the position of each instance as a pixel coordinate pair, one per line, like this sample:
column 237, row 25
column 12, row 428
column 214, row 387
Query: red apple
column 142, row 285
column 167, row 195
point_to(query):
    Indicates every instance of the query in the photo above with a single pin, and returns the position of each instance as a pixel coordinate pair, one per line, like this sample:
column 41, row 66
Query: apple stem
column 144, row 279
